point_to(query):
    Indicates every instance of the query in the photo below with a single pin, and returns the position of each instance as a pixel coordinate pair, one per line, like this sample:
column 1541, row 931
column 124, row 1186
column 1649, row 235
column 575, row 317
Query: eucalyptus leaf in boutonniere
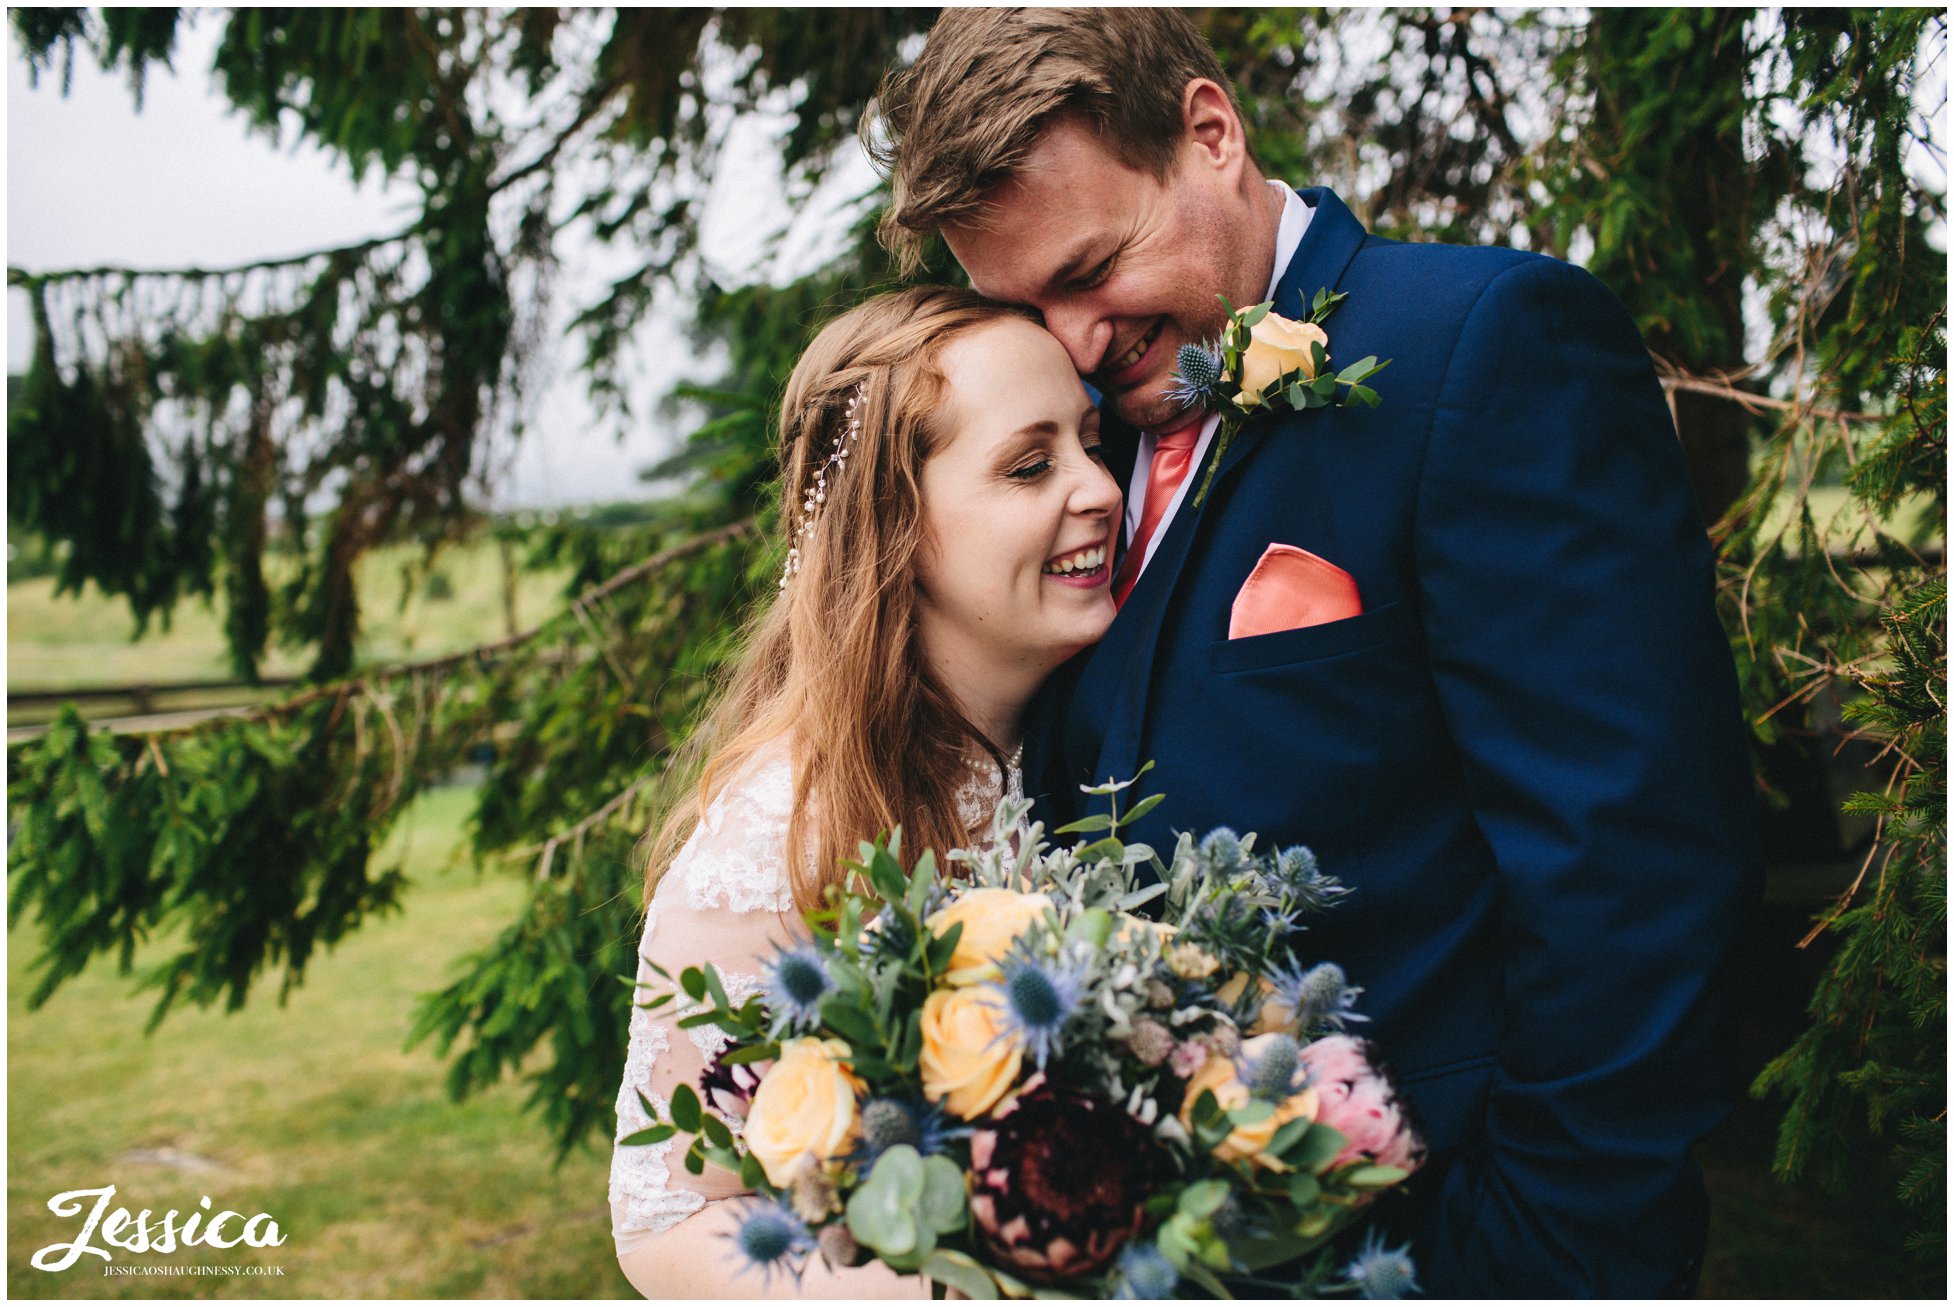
column 1263, row 361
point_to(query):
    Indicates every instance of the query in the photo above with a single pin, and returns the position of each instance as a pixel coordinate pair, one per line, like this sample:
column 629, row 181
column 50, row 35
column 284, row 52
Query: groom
column 1478, row 672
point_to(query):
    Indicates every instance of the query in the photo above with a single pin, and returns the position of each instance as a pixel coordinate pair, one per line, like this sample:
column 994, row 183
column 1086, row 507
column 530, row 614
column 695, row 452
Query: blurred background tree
column 1750, row 182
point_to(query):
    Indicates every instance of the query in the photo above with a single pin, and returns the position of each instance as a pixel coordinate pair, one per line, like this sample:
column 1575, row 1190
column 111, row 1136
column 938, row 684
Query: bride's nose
column 1094, row 493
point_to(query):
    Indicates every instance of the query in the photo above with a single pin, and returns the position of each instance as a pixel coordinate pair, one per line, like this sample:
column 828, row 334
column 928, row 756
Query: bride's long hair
column 834, row 663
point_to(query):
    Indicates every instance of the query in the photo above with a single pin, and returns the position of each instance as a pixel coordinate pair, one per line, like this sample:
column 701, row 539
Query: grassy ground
column 312, row 1113
column 85, row 640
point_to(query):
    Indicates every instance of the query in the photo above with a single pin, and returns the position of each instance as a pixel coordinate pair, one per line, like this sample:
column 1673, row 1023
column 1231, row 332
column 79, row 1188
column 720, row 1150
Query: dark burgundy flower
column 1058, row 1182
column 728, row 1090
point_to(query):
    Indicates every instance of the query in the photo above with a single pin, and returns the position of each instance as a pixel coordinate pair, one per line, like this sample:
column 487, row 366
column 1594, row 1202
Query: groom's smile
column 1124, row 265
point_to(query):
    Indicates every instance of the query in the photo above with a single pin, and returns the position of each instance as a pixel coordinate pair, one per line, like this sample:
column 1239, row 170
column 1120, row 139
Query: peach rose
column 1244, row 1141
column 1128, row 930
column 992, row 920
column 968, row 1063
column 1272, row 1017
column 1191, row 961
column 1277, row 345
column 804, row 1109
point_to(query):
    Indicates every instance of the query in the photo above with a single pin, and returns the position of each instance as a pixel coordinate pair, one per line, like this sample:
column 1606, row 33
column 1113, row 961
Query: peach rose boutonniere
column 1263, row 361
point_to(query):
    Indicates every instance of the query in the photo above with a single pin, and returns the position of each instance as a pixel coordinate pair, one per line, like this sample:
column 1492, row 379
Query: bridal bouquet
column 1005, row 1079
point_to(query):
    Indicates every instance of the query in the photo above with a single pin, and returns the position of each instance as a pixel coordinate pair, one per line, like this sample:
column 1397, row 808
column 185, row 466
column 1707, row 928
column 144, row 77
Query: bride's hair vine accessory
column 816, row 496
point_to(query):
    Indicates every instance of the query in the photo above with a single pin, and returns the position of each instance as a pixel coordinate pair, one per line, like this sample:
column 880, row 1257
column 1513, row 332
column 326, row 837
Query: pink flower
column 1187, row 1058
column 1356, row 1099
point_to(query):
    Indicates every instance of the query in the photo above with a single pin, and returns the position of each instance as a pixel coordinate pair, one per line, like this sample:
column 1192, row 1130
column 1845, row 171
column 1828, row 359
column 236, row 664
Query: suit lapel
column 1127, row 655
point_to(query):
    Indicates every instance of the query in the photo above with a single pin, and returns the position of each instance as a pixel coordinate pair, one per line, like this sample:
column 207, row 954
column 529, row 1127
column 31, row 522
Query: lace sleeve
column 725, row 900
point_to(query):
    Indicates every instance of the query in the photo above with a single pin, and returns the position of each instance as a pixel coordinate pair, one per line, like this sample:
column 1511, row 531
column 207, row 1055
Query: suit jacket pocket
column 1309, row 643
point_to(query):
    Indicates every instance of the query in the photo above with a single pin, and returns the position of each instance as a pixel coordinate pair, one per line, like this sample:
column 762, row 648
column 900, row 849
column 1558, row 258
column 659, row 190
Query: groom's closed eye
column 1096, row 276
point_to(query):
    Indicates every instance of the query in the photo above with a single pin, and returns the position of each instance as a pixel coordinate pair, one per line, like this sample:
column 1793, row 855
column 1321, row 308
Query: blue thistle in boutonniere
column 1264, row 361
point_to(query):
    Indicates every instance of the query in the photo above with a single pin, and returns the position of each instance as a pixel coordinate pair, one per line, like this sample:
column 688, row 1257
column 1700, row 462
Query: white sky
column 90, row 181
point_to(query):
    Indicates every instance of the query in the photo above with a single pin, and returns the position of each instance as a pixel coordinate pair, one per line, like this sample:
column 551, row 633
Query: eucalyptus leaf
column 1203, row 1198
column 961, row 1272
column 1086, row 825
column 1359, row 370
column 944, row 1205
column 749, row 1054
column 1318, row 1149
column 1374, row 1177
column 686, row 1111
column 715, row 1131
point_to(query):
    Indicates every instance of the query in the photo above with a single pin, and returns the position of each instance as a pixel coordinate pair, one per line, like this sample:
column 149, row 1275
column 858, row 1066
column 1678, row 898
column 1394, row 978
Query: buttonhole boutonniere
column 1263, row 361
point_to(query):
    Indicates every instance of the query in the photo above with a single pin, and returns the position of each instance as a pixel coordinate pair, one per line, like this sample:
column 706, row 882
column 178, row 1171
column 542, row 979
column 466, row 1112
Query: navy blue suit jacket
column 1526, row 755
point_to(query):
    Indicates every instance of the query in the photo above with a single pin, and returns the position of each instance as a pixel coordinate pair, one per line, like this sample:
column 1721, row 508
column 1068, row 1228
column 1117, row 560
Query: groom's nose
column 1084, row 334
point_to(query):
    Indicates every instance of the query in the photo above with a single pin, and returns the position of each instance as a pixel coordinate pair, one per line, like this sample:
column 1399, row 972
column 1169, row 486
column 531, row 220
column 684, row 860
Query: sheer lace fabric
column 725, row 900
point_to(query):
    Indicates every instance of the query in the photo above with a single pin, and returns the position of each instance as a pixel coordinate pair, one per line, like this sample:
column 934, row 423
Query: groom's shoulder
column 1480, row 264
column 1459, row 280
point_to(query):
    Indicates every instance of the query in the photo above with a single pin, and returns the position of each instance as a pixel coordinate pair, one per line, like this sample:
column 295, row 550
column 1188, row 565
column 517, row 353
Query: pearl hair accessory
column 817, row 494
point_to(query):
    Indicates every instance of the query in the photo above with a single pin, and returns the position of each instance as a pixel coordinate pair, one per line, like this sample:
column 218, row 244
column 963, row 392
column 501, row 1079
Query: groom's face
column 1124, row 266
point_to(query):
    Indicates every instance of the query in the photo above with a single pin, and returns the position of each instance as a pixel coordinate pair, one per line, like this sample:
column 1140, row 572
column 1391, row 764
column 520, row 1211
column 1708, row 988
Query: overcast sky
column 90, row 181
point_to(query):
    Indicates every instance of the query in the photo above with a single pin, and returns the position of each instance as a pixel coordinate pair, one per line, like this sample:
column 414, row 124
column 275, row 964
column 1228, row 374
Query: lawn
column 86, row 640
column 311, row 1112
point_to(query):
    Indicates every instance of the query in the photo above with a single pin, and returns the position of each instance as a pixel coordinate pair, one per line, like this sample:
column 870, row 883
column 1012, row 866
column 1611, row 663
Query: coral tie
column 1173, row 454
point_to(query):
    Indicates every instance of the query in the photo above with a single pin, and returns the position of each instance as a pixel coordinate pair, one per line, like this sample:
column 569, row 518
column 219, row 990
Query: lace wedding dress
column 725, row 900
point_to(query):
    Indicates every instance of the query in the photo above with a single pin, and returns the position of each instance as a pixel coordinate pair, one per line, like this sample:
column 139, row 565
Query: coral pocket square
column 1289, row 588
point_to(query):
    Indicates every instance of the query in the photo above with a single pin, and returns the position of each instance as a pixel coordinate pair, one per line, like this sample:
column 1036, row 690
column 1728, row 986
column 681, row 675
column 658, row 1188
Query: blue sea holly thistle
column 1318, row 995
column 769, row 1237
column 1039, row 998
column 796, row 982
column 1275, row 1071
column 1144, row 1273
column 1380, row 1272
column 1263, row 361
column 903, row 1122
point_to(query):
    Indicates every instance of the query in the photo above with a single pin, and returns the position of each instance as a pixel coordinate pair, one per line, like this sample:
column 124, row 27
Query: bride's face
column 1019, row 514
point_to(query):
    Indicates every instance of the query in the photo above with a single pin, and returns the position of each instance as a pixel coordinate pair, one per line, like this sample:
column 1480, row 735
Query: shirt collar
column 1289, row 234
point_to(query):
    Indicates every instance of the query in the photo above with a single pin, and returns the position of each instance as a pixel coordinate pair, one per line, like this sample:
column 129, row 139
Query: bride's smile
column 1019, row 516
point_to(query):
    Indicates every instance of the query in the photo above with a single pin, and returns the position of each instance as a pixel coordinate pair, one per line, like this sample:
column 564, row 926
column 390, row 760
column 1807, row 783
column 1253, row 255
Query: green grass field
column 85, row 640
column 311, row 1112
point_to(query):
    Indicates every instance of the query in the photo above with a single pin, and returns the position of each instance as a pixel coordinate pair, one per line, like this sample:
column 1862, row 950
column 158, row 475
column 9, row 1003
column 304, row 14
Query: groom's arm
column 1567, row 594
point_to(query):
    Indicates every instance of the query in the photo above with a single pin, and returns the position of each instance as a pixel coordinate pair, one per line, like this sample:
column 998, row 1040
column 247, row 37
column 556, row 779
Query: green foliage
column 250, row 839
column 172, row 418
column 1869, row 629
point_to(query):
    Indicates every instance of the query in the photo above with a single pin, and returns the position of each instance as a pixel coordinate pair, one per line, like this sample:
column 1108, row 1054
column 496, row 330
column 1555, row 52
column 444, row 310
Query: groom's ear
column 1212, row 128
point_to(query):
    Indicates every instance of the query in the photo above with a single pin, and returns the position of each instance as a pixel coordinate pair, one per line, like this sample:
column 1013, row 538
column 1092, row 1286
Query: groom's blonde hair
column 962, row 118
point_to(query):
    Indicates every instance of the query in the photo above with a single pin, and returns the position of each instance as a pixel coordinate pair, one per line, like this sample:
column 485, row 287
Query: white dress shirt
column 1289, row 234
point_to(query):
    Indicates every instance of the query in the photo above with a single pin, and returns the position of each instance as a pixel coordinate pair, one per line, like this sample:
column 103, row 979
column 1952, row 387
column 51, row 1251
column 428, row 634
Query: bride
column 951, row 548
